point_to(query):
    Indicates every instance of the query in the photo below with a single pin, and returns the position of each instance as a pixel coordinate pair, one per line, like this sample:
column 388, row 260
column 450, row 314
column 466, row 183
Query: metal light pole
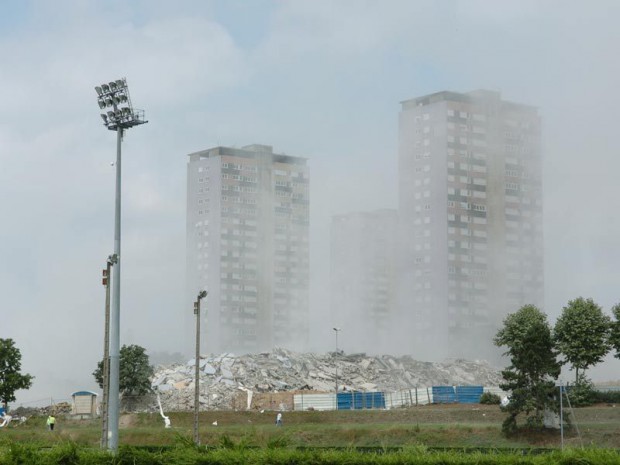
column 106, row 353
column 336, row 330
column 201, row 295
column 119, row 119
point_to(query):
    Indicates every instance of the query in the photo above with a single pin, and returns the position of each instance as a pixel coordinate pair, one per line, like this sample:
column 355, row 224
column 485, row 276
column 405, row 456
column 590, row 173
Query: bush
column 582, row 393
column 607, row 397
column 489, row 398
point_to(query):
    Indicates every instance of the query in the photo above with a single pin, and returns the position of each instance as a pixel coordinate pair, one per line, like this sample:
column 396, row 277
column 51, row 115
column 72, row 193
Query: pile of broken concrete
column 224, row 376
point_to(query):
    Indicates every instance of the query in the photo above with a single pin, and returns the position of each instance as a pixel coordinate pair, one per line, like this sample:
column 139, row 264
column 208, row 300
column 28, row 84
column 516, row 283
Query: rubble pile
column 61, row 408
column 224, row 376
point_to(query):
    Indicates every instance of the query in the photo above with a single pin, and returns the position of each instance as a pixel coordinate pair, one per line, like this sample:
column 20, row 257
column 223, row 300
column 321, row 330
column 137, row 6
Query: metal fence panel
column 444, row 395
column 408, row 398
column 468, row 394
column 320, row 402
column 399, row 399
column 360, row 400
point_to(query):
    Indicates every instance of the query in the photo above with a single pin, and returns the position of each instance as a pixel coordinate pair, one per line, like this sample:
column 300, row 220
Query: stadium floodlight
column 115, row 94
column 118, row 119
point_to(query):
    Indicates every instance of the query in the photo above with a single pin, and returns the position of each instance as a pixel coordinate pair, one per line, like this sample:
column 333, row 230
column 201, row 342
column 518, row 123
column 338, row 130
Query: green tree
column 581, row 334
column 614, row 332
column 533, row 366
column 134, row 374
column 11, row 378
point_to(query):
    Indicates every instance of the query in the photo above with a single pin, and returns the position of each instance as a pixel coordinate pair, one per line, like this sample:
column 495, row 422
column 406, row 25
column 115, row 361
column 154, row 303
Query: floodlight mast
column 112, row 95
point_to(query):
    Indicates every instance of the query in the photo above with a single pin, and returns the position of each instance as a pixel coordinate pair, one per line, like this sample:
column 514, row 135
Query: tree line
column 581, row 337
column 134, row 376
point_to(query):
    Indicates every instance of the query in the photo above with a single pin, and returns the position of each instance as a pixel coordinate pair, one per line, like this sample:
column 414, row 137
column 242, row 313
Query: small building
column 84, row 404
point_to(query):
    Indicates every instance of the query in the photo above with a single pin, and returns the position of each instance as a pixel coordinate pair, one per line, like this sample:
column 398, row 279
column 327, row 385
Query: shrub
column 582, row 393
column 490, row 398
column 65, row 454
column 607, row 397
column 134, row 456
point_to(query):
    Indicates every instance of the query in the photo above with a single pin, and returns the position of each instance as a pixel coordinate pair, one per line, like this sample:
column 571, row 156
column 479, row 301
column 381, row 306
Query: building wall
column 247, row 243
column 362, row 278
column 471, row 218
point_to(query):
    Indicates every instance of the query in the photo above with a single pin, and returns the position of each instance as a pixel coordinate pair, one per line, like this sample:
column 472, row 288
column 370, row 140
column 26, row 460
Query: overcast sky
column 318, row 79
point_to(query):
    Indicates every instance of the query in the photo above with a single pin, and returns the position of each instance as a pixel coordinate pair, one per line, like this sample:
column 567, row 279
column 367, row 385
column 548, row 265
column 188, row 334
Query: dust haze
column 316, row 79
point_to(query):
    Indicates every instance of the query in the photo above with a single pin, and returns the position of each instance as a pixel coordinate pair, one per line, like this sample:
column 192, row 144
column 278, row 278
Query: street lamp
column 119, row 117
column 201, row 295
column 336, row 330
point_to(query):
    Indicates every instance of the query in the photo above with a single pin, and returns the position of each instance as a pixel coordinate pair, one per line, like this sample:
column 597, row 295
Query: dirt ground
column 127, row 420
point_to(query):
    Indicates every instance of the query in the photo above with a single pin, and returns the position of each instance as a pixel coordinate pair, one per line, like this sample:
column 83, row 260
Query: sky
column 319, row 79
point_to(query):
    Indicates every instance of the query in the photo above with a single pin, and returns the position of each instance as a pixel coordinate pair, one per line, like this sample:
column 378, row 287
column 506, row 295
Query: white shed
column 84, row 403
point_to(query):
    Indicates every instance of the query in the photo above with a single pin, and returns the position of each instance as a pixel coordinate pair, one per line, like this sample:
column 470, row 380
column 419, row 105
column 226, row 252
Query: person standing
column 51, row 421
column 279, row 419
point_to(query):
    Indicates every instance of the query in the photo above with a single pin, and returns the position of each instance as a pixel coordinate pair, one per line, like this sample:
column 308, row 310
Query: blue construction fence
column 440, row 395
column 457, row 394
column 352, row 400
column 360, row 400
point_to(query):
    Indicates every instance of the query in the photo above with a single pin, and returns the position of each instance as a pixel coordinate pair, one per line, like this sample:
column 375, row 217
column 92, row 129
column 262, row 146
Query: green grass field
column 435, row 426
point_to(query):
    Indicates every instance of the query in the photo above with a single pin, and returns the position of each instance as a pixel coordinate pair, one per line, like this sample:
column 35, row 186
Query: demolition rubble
column 226, row 380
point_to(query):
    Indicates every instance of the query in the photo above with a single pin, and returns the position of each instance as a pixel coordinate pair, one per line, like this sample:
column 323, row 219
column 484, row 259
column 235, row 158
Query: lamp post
column 201, row 295
column 106, row 353
column 336, row 330
column 120, row 117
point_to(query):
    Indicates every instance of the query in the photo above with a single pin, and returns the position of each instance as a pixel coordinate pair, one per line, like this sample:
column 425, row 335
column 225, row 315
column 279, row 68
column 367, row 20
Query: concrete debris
column 226, row 377
column 59, row 409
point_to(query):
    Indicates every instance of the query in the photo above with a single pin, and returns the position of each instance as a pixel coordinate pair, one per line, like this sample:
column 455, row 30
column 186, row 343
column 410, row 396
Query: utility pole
column 561, row 417
column 201, row 295
column 106, row 353
column 336, row 330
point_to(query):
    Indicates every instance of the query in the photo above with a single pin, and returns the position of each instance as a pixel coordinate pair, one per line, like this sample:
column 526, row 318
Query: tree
column 11, row 378
column 614, row 332
column 581, row 334
column 533, row 366
column 135, row 372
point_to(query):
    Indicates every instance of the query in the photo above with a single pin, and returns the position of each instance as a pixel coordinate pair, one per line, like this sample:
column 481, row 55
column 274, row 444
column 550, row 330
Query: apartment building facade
column 470, row 207
column 247, row 245
column 362, row 278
